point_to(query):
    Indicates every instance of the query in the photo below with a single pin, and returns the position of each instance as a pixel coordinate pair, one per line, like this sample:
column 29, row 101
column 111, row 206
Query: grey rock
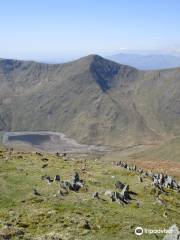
column 108, row 193
column 119, row 185
column 75, row 178
column 35, row 192
column 140, row 178
column 57, row 178
column 96, row 195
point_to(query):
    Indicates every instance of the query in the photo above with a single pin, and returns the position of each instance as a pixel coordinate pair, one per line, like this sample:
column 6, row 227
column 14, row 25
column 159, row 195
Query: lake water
column 46, row 141
column 35, row 139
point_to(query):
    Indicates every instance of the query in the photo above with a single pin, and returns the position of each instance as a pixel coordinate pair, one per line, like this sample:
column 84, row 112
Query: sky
column 54, row 30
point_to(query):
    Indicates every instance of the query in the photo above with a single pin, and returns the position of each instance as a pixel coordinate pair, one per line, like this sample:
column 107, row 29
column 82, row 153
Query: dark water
column 30, row 138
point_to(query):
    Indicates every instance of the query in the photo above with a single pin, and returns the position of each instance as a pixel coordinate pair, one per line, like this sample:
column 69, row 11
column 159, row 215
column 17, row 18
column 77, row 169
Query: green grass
column 40, row 215
column 170, row 150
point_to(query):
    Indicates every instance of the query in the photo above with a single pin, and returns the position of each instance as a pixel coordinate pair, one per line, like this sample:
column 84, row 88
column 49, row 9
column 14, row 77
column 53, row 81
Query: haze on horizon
column 59, row 30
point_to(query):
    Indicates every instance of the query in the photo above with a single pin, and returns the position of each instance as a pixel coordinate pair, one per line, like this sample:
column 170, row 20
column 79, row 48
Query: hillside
column 168, row 151
column 92, row 100
column 33, row 208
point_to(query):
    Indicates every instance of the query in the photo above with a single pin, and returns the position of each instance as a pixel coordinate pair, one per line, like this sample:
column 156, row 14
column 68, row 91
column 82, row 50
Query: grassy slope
column 49, row 213
column 167, row 151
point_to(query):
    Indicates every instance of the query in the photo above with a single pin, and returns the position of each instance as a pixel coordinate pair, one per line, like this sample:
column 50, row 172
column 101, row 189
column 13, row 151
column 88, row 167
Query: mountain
column 92, row 99
column 147, row 62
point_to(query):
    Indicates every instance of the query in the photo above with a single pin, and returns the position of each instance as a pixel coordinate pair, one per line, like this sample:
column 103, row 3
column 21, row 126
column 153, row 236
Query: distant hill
column 147, row 62
column 92, row 99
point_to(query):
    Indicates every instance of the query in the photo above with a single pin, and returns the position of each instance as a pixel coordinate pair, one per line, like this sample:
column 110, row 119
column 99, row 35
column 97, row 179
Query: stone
column 140, row 170
column 86, row 225
column 49, row 180
column 39, row 154
column 57, row 178
column 35, row 192
column 45, row 159
column 96, row 195
column 108, row 193
column 140, row 179
column 57, row 154
column 125, row 193
column 165, row 214
column 119, row 185
column 76, row 177
column 138, row 204
column 44, row 165
column 66, row 185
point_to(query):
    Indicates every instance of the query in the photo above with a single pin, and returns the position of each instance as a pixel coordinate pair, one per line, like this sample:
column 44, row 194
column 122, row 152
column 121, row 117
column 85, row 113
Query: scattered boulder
column 108, row 193
column 65, row 185
column 117, row 197
column 165, row 214
column 119, row 185
column 138, row 204
column 86, row 225
column 140, row 178
column 45, row 159
column 95, row 195
column 140, row 170
column 49, row 180
column 74, row 185
column 35, row 192
column 159, row 180
column 39, row 154
column 57, row 154
column 125, row 193
column 44, row 177
column 44, row 165
column 75, row 178
column 57, row 178
column 122, row 197
column 162, row 181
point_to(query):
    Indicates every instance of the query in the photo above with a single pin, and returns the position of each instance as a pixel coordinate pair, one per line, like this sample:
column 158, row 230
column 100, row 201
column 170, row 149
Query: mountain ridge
column 92, row 99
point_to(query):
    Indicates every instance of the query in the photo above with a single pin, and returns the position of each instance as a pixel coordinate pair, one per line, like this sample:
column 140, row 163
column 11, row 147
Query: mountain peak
column 105, row 72
column 92, row 57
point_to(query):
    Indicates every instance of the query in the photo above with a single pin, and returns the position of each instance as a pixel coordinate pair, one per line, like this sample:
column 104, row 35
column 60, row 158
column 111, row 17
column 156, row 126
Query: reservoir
column 46, row 141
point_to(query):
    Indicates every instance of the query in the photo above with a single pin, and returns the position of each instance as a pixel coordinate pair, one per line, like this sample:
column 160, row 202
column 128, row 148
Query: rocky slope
column 88, row 199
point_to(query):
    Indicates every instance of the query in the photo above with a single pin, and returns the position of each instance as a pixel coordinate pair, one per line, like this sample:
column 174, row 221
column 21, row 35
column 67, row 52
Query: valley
column 89, row 120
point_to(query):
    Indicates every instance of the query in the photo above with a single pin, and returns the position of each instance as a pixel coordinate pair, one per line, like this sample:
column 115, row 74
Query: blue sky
column 59, row 29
